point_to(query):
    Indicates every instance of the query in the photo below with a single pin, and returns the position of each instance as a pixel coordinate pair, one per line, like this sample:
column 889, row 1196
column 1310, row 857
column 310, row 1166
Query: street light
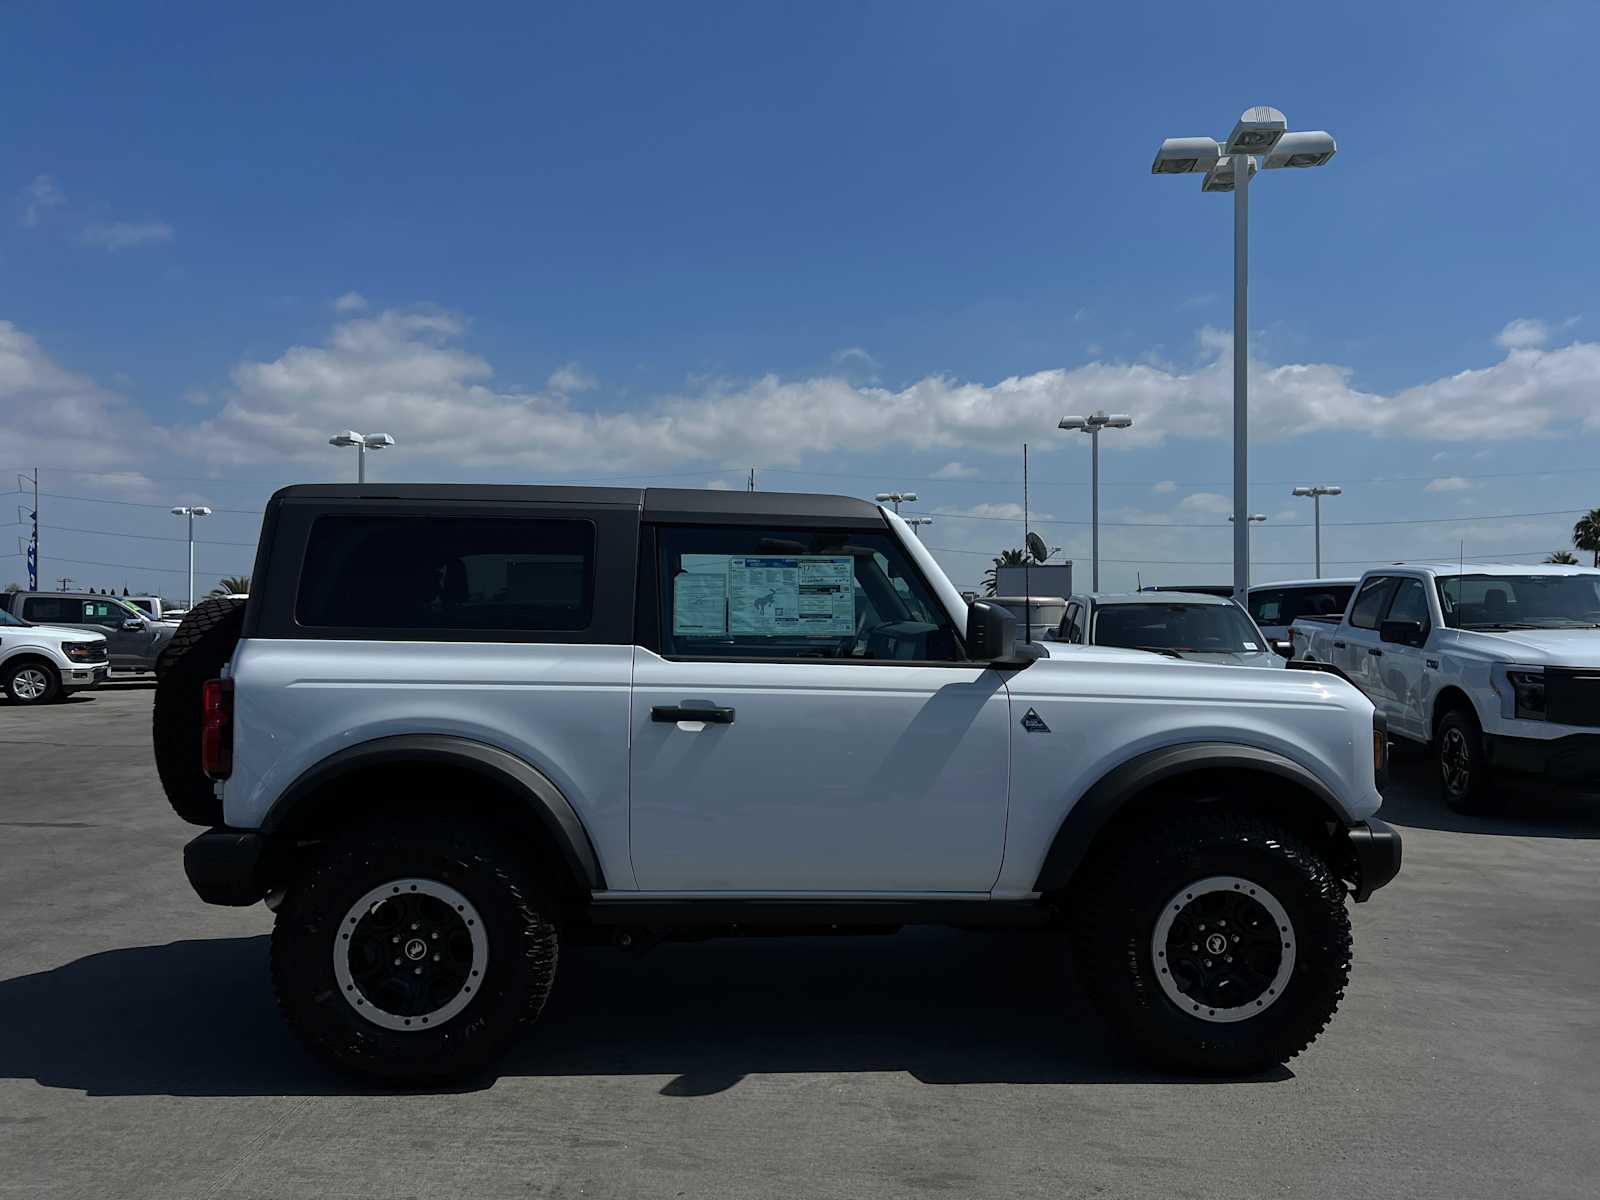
column 916, row 523
column 191, row 511
column 1092, row 425
column 362, row 442
column 896, row 499
column 1316, row 494
column 1264, row 131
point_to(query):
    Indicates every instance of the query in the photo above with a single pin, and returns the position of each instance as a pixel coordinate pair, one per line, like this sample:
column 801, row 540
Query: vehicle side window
column 393, row 572
column 1372, row 601
column 103, row 612
column 743, row 592
column 1268, row 608
column 1410, row 603
column 1072, row 623
column 46, row 610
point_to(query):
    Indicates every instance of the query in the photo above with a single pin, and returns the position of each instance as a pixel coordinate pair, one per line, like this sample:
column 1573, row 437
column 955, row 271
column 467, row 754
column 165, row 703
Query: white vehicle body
column 838, row 779
column 77, row 658
column 1414, row 685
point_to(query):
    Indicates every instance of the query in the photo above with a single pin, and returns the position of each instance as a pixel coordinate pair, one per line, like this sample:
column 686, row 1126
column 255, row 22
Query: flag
column 33, row 555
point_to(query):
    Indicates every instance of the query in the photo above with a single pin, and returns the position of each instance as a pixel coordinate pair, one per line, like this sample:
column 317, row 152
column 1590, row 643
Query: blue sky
column 664, row 245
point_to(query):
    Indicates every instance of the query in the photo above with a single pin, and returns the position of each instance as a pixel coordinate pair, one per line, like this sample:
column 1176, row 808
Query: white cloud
column 855, row 356
column 719, row 485
column 1450, row 483
column 1205, row 502
column 955, row 470
column 56, row 415
column 1523, row 333
column 571, row 378
column 1287, row 514
column 43, row 193
column 350, row 302
column 1165, row 488
column 124, row 235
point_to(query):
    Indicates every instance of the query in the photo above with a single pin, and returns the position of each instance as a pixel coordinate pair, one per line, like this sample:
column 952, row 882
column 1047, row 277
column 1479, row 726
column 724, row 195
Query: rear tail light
column 216, row 729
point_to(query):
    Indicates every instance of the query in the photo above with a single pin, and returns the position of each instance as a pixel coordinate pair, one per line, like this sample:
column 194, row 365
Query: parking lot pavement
column 140, row 1054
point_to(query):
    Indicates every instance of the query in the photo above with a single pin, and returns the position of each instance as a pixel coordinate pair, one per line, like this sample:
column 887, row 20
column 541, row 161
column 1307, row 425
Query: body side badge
column 1034, row 723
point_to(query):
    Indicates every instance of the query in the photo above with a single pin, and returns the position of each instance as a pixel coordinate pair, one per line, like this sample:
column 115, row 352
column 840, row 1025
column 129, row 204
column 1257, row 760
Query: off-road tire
column 28, row 695
column 196, row 653
column 520, row 966
column 1115, row 913
column 1465, row 781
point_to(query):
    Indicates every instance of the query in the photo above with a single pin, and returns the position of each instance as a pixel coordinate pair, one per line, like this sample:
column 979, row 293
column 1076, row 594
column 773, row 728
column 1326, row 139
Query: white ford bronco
column 455, row 726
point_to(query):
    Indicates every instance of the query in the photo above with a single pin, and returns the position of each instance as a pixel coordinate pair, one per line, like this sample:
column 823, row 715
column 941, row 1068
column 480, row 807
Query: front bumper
column 1574, row 759
column 1375, row 847
column 224, row 866
column 79, row 676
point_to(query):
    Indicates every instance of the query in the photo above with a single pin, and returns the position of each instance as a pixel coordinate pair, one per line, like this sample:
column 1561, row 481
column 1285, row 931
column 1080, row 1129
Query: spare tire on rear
column 196, row 653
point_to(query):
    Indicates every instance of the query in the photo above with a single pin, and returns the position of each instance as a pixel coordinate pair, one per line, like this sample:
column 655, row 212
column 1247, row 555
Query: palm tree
column 1565, row 558
column 991, row 577
column 231, row 584
column 1586, row 533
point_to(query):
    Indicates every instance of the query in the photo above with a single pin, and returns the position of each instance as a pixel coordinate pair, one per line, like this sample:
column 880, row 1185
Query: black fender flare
column 1097, row 806
column 542, row 798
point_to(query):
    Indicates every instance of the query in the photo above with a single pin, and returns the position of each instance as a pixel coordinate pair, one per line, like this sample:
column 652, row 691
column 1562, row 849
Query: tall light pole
column 191, row 511
column 1092, row 425
column 896, row 499
column 1264, row 131
column 362, row 442
column 916, row 524
column 1316, row 494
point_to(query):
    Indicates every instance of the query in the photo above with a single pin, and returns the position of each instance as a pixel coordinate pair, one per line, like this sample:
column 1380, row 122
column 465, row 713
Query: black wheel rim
column 1223, row 949
column 1455, row 761
column 410, row 954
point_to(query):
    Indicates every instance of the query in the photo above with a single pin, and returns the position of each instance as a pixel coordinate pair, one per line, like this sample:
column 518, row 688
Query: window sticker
column 1250, row 646
column 700, row 604
column 810, row 596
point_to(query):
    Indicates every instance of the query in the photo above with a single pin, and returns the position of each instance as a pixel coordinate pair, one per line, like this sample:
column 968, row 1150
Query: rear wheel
column 1219, row 943
column 413, row 955
column 1464, row 778
column 31, row 682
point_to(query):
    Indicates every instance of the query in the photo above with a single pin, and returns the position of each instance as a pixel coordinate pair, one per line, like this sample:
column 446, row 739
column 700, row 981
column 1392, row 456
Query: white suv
column 454, row 727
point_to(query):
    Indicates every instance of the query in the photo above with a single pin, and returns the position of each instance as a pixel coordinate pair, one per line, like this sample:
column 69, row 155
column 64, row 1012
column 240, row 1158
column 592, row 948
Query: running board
column 770, row 913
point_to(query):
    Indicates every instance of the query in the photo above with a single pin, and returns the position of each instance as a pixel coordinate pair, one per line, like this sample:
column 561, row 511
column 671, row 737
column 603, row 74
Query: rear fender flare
column 519, row 778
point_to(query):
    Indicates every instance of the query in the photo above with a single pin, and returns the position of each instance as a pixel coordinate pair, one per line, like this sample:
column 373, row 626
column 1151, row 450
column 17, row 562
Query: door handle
column 673, row 713
column 1338, row 645
column 1374, row 651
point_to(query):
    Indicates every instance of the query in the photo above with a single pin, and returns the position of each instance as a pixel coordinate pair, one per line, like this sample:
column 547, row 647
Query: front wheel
column 31, row 683
column 1218, row 943
column 1464, row 779
column 413, row 955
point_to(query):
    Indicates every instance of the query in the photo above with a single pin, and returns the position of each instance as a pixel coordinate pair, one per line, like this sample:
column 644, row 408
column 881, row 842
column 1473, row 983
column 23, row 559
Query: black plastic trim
column 223, row 866
column 1377, row 852
column 684, row 506
column 1101, row 802
column 767, row 913
column 1570, row 760
column 288, row 813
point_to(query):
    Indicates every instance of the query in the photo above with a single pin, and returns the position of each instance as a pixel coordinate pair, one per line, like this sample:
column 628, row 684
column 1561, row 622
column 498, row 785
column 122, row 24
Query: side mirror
column 132, row 625
column 992, row 637
column 1402, row 633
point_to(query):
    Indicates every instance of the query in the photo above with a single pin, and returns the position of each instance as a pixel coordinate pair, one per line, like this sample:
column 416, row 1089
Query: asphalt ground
column 141, row 1053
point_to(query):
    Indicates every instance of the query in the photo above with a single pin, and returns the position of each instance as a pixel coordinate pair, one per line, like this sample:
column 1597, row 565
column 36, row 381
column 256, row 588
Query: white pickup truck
column 1496, row 669
column 41, row 663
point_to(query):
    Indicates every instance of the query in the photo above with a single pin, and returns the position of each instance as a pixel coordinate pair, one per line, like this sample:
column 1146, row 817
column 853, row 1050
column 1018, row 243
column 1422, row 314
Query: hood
column 1099, row 654
column 63, row 632
column 1241, row 658
column 1542, row 647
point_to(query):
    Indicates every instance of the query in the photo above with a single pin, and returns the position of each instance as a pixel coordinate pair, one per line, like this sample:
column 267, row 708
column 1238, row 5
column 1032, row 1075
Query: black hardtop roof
column 678, row 505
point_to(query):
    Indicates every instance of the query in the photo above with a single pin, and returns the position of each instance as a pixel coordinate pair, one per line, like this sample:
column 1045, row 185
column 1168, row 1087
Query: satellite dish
column 1036, row 547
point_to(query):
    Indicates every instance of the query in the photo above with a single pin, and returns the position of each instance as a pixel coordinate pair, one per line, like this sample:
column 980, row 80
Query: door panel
column 831, row 777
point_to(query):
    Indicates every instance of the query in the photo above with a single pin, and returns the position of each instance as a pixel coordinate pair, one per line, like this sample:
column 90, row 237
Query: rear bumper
column 1376, row 848
column 224, row 866
column 1574, row 759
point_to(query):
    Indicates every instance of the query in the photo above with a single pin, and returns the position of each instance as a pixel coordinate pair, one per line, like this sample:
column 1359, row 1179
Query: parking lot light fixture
column 362, row 442
column 1260, row 131
column 916, row 524
column 1092, row 425
column 1317, row 493
column 191, row 511
column 896, row 499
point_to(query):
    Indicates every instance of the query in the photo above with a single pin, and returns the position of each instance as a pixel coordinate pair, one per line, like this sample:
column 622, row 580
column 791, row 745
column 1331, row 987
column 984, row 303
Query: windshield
column 1202, row 628
column 1520, row 601
column 7, row 619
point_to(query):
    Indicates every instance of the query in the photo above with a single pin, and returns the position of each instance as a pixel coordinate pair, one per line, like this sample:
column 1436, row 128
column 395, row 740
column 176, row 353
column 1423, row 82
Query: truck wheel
column 1217, row 943
column 196, row 653
column 414, row 955
column 31, row 682
column 1464, row 777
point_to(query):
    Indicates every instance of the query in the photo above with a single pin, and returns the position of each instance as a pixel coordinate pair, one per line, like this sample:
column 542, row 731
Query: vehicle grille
column 96, row 653
column 1572, row 697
